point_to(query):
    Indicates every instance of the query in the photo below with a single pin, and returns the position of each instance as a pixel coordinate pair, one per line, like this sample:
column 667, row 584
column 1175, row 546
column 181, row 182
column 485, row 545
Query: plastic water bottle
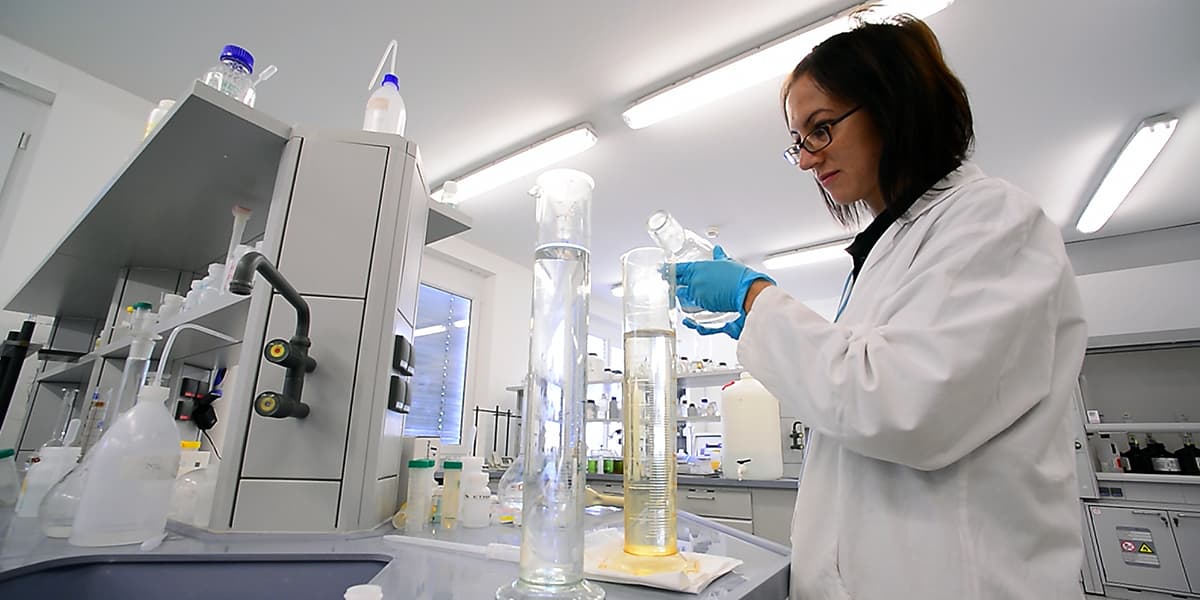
column 231, row 76
column 385, row 111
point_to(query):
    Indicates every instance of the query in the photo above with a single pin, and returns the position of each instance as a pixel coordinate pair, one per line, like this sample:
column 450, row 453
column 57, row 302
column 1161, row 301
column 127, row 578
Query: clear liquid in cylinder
column 649, row 446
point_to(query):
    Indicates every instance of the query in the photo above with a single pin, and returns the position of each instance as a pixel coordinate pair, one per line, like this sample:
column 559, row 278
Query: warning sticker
column 1137, row 547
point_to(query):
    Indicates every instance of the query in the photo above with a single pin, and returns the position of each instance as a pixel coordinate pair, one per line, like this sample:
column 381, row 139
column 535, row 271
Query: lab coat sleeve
column 956, row 355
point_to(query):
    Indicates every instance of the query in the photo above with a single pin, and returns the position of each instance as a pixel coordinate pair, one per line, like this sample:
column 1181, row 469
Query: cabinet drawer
column 715, row 502
column 1187, row 536
column 1137, row 548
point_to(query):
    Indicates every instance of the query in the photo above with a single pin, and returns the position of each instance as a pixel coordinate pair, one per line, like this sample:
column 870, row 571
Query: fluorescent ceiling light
column 429, row 330
column 1137, row 155
column 462, row 323
column 765, row 62
column 538, row 156
column 618, row 290
column 807, row 256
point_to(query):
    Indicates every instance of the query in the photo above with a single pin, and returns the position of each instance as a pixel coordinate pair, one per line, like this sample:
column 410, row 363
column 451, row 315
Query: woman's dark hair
column 896, row 72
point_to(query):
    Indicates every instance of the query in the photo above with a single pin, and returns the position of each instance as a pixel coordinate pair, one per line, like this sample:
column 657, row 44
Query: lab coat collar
column 866, row 239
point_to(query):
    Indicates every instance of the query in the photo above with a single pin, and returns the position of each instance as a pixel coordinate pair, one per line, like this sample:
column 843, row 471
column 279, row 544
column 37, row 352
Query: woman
column 940, row 465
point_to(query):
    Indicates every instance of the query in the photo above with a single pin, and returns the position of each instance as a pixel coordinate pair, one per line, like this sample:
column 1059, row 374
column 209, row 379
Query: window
column 439, row 365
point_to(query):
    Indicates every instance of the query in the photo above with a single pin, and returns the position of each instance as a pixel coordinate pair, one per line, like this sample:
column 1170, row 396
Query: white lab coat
column 941, row 464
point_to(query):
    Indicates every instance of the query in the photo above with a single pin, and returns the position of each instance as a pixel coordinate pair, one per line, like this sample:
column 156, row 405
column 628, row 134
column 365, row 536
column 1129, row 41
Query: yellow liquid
column 649, row 448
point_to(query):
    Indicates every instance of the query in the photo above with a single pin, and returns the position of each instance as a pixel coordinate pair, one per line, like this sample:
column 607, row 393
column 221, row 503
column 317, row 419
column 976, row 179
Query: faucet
column 292, row 354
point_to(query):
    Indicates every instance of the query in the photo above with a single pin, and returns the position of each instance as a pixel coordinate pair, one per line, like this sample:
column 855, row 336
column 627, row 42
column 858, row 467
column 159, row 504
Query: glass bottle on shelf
column 1161, row 461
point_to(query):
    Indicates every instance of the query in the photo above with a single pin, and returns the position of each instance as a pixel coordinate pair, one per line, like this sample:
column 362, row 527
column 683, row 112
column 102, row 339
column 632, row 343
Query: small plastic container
column 192, row 497
column 420, row 496
column 452, row 492
column 477, row 500
column 157, row 115
column 595, row 366
column 10, row 486
column 172, row 304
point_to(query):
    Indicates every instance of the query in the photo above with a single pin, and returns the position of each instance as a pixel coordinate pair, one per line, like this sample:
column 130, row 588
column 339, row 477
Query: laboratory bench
column 193, row 563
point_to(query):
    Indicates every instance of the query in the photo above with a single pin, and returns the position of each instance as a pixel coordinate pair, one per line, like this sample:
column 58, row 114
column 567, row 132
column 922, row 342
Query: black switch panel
column 402, row 351
column 399, row 395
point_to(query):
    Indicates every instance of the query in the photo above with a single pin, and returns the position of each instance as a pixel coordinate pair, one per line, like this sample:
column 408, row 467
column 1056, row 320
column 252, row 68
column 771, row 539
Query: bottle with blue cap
column 385, row 111
column 231, row 76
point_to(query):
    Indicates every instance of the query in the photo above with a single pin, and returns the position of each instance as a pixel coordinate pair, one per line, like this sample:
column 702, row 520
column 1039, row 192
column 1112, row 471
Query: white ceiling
column 1055, row 86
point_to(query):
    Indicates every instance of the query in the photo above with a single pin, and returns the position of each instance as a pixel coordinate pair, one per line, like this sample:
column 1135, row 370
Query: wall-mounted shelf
column 1149, row 478
column 76, row 373
column 680, row 419
column 226, row 313
column 167, row 207
column 1150, row 340
column 1142, row 427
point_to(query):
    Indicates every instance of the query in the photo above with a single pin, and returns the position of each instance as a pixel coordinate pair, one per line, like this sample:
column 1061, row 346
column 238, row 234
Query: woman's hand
column 718, row 285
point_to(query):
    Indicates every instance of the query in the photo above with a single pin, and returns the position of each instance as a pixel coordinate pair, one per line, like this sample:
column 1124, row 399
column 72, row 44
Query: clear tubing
column 684, row 245
column 649, row 388
column 551, row 563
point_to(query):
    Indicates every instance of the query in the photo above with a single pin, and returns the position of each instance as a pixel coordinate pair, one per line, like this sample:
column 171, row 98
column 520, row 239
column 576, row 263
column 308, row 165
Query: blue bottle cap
column 392, row 79
column 238, row 54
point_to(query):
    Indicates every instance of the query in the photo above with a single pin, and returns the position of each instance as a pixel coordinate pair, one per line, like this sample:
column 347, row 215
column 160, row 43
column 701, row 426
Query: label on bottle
column 1165, row 465
column 152, row 467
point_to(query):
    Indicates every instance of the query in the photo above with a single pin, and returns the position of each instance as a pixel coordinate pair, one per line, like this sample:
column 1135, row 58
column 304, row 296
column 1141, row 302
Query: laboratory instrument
column 510, row 492
column 231, row 75
column 649, row 392
column 420, row 496
column 476, row 509
column 235, row 251
column 685, row 245
column 64, row 420
column 452, row 492
column 552, row 507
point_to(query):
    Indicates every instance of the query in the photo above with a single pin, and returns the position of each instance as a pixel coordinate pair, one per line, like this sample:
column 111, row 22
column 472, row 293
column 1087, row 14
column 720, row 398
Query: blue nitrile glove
column 732, row 329
column 717, row 285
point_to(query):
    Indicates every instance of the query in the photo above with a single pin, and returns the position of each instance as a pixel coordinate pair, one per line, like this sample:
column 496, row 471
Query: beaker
column 553, row 444
column 649, row 392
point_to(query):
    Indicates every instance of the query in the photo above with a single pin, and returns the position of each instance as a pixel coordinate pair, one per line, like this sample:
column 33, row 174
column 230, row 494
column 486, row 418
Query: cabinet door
column 1137, row 548
column 1187, row 535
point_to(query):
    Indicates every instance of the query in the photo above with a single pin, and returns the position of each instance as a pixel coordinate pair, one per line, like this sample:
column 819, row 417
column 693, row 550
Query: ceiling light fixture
column 424, row 331
column 537, row 156
column 807, row 256
column 618, row 290
column 1138, row 154
column 767, row 61
column 462, row 323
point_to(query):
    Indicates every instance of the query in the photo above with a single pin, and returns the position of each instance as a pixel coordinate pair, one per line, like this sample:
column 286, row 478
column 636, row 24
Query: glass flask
column 553, row 449
column 685, row 245
column 57, row 511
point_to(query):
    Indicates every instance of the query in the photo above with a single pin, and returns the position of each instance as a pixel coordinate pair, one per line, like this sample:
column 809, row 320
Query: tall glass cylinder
column 649, row 387
column 554, row 449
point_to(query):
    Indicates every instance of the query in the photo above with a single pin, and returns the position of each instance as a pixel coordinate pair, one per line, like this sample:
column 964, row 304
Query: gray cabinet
column 1138, row 549
column 773, row 510
column 1187, row 536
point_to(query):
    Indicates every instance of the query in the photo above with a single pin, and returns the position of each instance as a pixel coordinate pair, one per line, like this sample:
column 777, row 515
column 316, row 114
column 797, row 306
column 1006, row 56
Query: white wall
column 90, row 131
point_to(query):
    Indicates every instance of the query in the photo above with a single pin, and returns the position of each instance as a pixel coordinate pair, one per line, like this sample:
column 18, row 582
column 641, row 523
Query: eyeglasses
column 817, row 140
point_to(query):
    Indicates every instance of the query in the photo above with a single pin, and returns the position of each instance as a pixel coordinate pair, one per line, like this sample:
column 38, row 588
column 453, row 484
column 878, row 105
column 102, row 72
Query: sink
column 192, row 576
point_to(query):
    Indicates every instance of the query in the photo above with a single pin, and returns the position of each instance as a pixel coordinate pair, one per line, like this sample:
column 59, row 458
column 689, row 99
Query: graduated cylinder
column 649, row 387
column 553, row 445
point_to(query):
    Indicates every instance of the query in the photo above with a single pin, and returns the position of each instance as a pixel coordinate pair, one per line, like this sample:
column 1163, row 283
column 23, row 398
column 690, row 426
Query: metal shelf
column 1142, row 427
column 1149, row 478
column 168, row 207
column 77, row 372
column 227, row 314
column 1151, row 340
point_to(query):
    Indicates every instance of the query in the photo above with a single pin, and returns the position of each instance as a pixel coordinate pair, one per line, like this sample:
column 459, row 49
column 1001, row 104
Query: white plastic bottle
column 131, row 472
column 748, row 454
column 476, row 501
column 385, row 111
